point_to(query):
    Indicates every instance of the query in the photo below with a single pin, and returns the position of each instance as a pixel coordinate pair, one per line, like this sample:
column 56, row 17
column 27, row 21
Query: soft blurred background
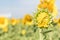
column 18, row 8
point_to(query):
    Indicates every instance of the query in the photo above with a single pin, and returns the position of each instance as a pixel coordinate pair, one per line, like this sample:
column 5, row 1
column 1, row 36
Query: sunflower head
column 27, row 19
column 3, row 22
column 18, row 20
column 43, row 19
column 13, row 21
column 42, row 5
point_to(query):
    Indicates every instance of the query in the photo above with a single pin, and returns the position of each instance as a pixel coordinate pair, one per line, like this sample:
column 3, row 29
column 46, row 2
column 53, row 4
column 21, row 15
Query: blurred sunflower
column 27, row 19
column 42, row 5
column 18, row 20
column 13, row 21
column 43, row 19
column 57, row 20
column 4, row 23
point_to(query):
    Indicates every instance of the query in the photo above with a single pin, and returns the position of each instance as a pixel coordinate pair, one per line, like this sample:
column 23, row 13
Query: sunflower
column 43, row 19
column 13, row 21
column 57, row 20
column 27, row 19
column 42, row 5
column 4, row 23
column 19, row 20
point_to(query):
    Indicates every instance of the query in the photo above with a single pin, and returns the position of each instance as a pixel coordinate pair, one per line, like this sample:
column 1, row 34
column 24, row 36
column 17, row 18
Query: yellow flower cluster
column 48, row 4
column 28, row 26
column 4, row 22
column 46, row 12
column 43, row 18
column 14, row 21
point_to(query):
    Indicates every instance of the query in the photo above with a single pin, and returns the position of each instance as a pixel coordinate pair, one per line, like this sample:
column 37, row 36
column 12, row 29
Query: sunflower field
column 43, row 25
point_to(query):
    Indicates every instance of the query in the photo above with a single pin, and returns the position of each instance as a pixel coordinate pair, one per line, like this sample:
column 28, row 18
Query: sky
column 18, row 8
